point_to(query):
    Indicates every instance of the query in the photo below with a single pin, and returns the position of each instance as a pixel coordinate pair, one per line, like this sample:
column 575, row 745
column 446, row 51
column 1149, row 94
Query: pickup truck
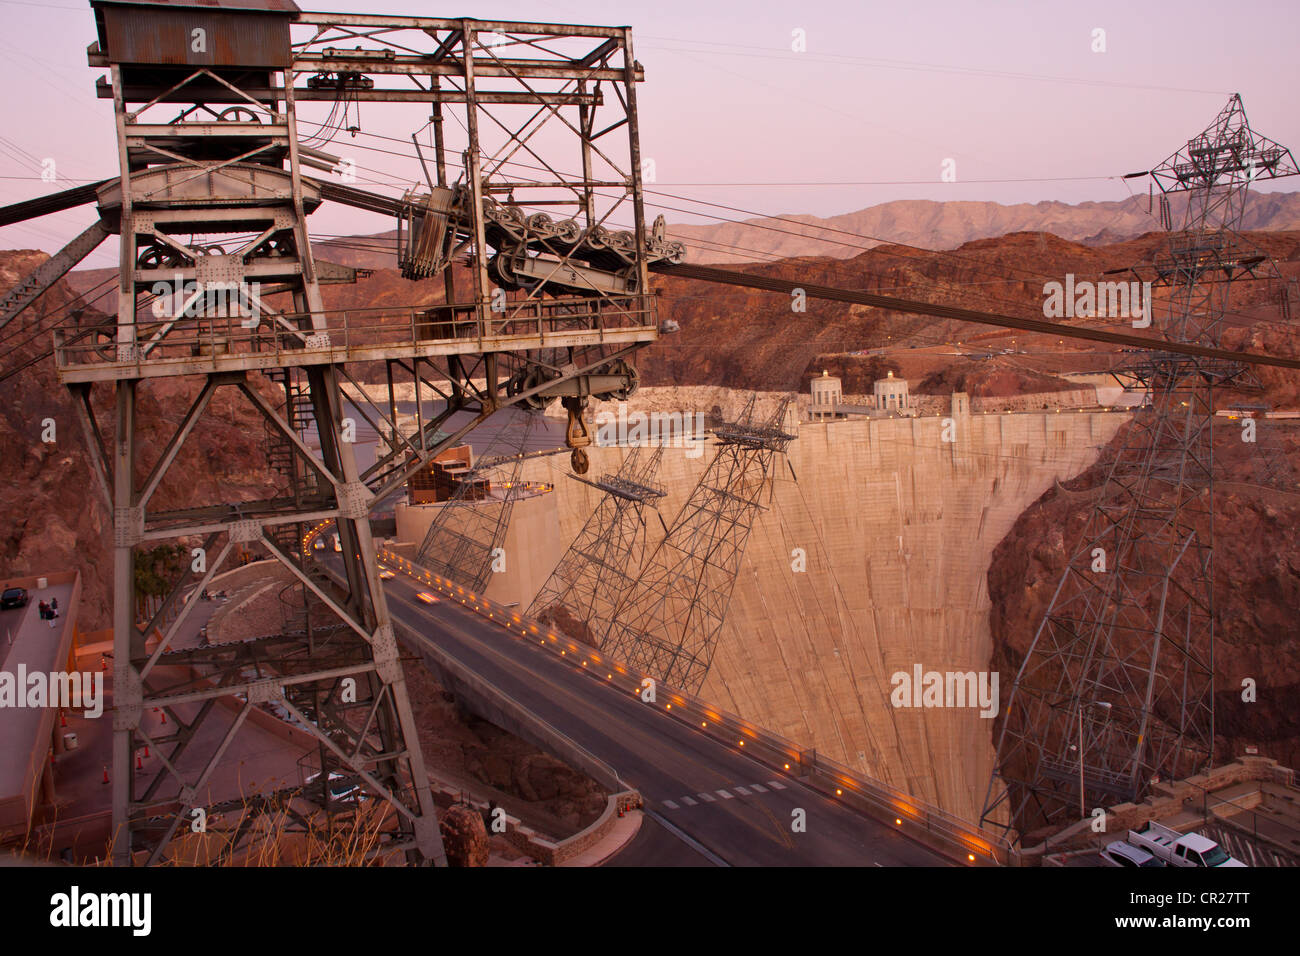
column 1180, row 849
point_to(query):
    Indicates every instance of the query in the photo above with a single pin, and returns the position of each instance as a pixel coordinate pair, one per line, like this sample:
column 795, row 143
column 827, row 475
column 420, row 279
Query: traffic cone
column 63, row 718
column 139, row 764
column 105, row 773
column 146, row 750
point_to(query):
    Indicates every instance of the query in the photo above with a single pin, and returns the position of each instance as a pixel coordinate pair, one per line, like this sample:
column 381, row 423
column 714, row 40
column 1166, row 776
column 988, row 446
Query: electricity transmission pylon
column 1116, row 689
column 464, row 538
column 670, row 624
column 597, row 573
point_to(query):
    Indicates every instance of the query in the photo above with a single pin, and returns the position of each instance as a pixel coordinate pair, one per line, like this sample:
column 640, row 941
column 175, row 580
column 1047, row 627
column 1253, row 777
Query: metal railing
column 277, row 339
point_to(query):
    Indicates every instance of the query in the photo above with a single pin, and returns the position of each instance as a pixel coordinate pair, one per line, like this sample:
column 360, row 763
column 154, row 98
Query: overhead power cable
column 772, row 284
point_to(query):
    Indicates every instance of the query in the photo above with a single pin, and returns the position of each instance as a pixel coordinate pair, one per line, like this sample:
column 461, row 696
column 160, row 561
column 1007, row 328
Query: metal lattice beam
column 596, row 574
column 670, row 623
column 194, row 181
column 471, row 525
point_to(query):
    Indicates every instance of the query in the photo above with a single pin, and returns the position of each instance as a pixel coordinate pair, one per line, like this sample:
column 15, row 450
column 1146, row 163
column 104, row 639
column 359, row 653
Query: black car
column 13, row 597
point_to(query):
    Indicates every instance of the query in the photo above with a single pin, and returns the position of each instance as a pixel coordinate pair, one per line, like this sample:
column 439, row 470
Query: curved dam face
column 873, row 564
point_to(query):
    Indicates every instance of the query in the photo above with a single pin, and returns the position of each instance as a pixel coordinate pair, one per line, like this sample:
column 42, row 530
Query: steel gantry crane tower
column 1116, row 689
column 211, row 206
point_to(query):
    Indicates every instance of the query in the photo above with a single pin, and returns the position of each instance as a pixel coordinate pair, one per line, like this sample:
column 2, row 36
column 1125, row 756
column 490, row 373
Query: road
column 705, row 802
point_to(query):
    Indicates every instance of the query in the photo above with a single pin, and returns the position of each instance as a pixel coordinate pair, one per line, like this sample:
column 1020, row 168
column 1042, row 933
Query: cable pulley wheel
column 578, row 461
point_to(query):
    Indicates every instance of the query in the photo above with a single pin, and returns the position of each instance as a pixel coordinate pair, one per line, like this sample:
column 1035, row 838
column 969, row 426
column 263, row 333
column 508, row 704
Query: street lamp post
column 1083, row 810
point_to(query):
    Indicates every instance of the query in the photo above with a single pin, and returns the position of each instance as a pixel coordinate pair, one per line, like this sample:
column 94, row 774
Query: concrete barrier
column 546, row 851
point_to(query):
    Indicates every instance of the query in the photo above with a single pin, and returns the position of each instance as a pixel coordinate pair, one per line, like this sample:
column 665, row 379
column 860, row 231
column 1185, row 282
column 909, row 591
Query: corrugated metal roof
column 253, row 6
column 240, row 33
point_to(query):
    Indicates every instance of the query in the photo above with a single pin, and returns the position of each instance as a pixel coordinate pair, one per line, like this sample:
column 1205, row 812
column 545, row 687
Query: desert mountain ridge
column 910, row 222
column 948, row 225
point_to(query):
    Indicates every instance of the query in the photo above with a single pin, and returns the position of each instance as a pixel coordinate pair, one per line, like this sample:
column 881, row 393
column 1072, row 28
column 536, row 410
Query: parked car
column 1180, row 849
column 1124, row 854
column 12, row 598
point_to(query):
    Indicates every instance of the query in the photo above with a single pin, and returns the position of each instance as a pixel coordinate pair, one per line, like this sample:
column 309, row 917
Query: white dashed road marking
column 745, row 791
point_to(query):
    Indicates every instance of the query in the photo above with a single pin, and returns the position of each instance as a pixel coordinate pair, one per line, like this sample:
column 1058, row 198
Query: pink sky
column 883, row 94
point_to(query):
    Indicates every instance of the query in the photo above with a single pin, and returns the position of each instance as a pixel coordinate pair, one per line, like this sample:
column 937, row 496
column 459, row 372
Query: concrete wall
column 897, row 529
column 1178, row 804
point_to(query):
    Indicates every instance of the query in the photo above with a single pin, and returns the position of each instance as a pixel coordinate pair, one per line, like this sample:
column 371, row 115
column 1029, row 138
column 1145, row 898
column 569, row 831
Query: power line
column 890, row 303
column 911, row 65
column 985, row 266
column 904, row 182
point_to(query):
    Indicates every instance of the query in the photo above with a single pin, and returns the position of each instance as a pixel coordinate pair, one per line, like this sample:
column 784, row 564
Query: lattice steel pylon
column 596, row 574
column 462, row 542
column 670, row 623
column 1116, row 689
